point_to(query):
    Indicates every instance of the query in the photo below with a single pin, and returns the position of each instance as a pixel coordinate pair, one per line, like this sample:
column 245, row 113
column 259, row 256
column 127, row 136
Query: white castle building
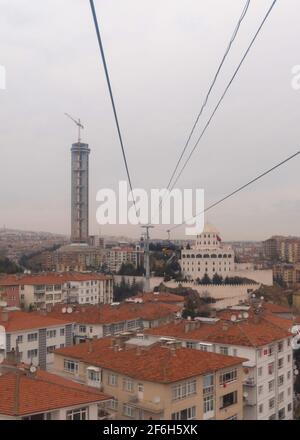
column 207, row 256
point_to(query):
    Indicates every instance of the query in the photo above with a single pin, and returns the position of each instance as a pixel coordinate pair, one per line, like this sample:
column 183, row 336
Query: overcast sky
column 161, row 55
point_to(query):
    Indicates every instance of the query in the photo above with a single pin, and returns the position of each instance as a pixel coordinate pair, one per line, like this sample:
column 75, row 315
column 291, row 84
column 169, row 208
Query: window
column 51, row 349
column 78, row 414
column 185, row 414
column 128, row 410
column 113, row 404
column 32, row 337
column 289, row 391
column 51, row 334
column 260, row 389
column 208, row 403
column 289, row 407
column 280, row 380
column 128, row 385
column 271, row 350
column 224, row 350
column 272, row 417
column 228, row 400
column 19, row 339
column 272, row 403
column 261, row 408
column 280, row 347
column 191, row 344
column 94, row 375
column 271, row 368
column 184, row 389
column 260, row 370
column 208, row 383
column 229, row 376
column 62, row 332
column 32, row 353
column 82, row 329
column 271, row 385
column 280, row 363
column 289, row 358
column 70, row 366
column 112, row 380
column 281, row 397
column 281, row 414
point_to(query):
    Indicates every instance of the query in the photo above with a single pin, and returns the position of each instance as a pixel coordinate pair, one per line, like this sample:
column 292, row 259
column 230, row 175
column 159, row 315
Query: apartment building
column 286, row 249
column 33, row 394
column 9, row 291
column 288, row 273
column 159, row 382
column 34, row 337
column 43, row 291
column 112, row 319
column 117, row 256
column 266, row 344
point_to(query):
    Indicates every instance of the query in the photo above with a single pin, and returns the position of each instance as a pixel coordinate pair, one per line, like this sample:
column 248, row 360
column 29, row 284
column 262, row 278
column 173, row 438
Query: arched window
column 225, row 256
column 192, row 256
column 229, row 255
column 198, row 256
column 188, row 256
column 205, row 256
column 220, row 256
column 213, row 256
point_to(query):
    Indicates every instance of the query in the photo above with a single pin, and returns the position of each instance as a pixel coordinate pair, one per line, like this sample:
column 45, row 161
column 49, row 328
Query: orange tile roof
column 108, row 314
column 18, row 320
column 154, row 364
column 241, row 333
column 50, row 278
column 22, row 394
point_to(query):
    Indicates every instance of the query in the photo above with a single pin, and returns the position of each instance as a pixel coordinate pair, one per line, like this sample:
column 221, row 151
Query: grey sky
column 161, row 56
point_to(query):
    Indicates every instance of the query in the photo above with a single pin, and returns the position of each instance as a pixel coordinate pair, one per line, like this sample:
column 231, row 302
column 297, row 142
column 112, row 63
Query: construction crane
column 79, row 125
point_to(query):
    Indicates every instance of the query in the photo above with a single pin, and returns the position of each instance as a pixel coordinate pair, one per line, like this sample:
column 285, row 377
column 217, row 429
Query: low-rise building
column 113, row 319
column 44, row 290
column 157, row 381
column 32, row 394
column 264, row 340
column 34, row 336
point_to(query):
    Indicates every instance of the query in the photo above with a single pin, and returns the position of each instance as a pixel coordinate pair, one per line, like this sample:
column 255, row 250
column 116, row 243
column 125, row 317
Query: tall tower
column 80, row 193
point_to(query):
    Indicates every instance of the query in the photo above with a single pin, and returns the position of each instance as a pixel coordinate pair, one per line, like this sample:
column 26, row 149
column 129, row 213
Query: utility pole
column 147, row 258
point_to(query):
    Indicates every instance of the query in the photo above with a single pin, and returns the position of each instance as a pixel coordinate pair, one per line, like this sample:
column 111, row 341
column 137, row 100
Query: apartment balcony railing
column 250, row 381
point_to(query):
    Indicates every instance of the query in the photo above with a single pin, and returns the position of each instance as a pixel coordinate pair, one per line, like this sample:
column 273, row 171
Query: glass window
column 78, row 414
column 229, row 376
column 70, row 366
column 184, row 389
column 228, row 400
column 185, row 414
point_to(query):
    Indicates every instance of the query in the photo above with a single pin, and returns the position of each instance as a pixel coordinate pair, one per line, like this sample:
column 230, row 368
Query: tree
column 206, row 279
column 217, row 279
column 196, row 305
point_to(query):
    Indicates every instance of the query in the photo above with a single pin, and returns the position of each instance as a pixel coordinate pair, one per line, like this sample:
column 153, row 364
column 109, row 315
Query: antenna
column 79, row 125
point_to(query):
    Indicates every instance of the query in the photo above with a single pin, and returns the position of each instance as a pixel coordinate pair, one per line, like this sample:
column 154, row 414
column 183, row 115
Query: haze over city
column 161, row 56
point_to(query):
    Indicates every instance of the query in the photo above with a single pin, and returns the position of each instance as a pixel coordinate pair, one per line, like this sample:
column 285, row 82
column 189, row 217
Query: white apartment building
column 34, row 337
column 268, row 384
column 121, row 255
column 44, row 291
column 207, row 256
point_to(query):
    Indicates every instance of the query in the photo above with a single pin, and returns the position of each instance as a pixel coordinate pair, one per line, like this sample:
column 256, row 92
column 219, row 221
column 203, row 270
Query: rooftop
column 154, row 364
column 49, row 278
column 23, row 394
column 109, row 314
column 17, row 320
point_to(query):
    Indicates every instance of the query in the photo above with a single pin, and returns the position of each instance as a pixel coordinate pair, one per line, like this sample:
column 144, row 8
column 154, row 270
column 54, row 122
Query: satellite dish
column 69, row 310
column 253, row 295
column 246, row 315
column 245, row 394
column 296, row 372
column 233, row 318
column 295, row 342
column 240, row 316
column 64, row 310
column 294, row 329
column 32, row 369
column 262, row 298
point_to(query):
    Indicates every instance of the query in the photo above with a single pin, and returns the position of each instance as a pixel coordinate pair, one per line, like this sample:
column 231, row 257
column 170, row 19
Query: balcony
column 146, row 405
column 250, row 382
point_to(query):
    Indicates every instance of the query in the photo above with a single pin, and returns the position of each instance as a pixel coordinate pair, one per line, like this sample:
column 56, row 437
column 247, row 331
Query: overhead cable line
column 233, row 37
column 213, row 205
column 226, row 90
column 111, row 97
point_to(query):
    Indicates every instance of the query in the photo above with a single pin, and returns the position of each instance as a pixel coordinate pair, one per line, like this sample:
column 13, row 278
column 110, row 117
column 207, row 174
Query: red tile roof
column 154, row 364
column 108, row 314
column 240, row 333
column 17, row 320
column 22, row 394
column 50, row 278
